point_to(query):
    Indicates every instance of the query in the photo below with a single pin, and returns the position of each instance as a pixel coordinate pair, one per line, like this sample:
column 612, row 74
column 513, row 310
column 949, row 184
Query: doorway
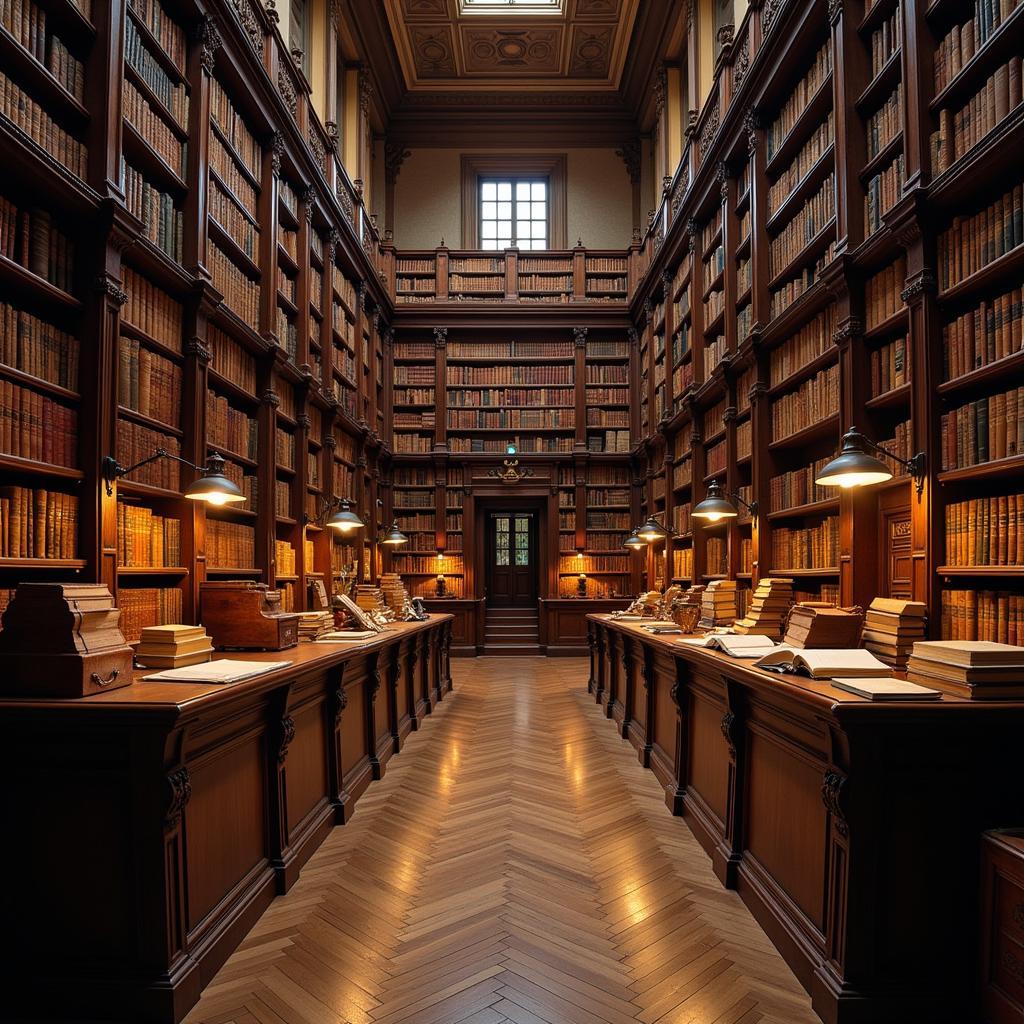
column 510, row 556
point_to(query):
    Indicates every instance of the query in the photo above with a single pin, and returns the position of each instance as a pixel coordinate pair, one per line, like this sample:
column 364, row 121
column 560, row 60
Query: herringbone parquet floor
column 515, row 864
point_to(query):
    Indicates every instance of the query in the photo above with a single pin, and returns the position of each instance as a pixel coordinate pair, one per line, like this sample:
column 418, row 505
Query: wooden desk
column 146, row 829
column 852, row 829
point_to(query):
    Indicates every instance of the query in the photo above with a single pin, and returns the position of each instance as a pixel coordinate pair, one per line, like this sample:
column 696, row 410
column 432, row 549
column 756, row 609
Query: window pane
column 489, row 229
column 540, row 242
column 539, row 190
column 504, row 211
column 539, row 211
column 504, row 229
column 489, row 191
column 489, row 210
column 522, row 190
column 523, row 230
column 504, row 190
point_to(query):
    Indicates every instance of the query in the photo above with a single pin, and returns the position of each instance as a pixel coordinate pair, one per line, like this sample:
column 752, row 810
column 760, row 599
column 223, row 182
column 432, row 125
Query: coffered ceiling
column 500, row 72
column 521, row 45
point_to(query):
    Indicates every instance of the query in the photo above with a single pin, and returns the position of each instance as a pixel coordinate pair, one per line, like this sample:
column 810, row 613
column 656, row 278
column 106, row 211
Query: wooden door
column 511, row 558
column 896, row 576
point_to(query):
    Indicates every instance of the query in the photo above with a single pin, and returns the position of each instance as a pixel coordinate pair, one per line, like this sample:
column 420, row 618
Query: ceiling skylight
column 511, row 6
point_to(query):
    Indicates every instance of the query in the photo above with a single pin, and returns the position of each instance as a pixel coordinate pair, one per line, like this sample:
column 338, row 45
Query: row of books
column 816, row 399
column 147, row 606
column 230, row 429
column 781, row 298
column 797, row 487
column 405, row 285
column 507, row 376
column 899, row 445
column 24, row 112
column 234, row 130
column 890, row 366
column 167, row 32
column 992, row 330
column 29, row 238
column 413, row 499
column 811, row 151
column 228, row 174
column 958, row 47
column 983, row 430
column 960, row 130
column 424, row 564
column 26, row 22
column 413, row 420
column 516, row 419
column 589, row 562
column 415, row 375
column 523, row 443
column 885, row 41
column 37, row 523
column 602, row 520
column 798, row 100
column 148, row 383
column 230, row 360
column 985, row 531
column 607, row 417
column 744, row 439
column 173, row 94
column 478, row 265
column 284, row 558
column 151, row 310
column 972, row 242
column 599, row 285
column 607, row 373
column 682, row 563
column 983, row 615
column 284, row 448
column 162, row 224
column 545, row 282
column 511, row 397
column 882, row 293
column 33, row 426
column 815, row 213
column 809, row 342
column 37, row 348
column 228, row 214
column 154, row 129
column 414, row 266
column 136, row 442
column 241, row 293
column 510, row 350
column 145, row 539
column 882, row 191
column 230, row 545
column 413, row 350
column 488, row 285
column 608, row 441
column 414, row 444
column 413, row 396
column 811, row 547
column 885, row 123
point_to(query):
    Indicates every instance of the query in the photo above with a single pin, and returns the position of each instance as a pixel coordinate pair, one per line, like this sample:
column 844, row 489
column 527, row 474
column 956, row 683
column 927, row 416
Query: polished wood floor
column 515, row 864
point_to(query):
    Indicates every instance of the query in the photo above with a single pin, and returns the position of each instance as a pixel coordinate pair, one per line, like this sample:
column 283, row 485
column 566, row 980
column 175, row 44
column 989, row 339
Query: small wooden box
column 1002, row 927
column 62, row 640
column 244, row 615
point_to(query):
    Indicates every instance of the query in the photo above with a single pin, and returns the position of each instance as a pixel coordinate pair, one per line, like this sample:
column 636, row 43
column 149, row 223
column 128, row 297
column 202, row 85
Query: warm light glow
column 343, row 527
column 849, row 480
column 215, row 497
column 712, row 517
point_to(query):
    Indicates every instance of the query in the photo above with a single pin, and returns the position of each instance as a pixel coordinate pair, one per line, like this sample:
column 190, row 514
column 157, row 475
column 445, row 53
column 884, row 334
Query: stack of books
column 395, row 594
column 976, row 669
column 816, row 624
column 718, row 604
column 312, row 624
column 768, row 605
column 173, row 646
column 892, row 627
column 370, row 598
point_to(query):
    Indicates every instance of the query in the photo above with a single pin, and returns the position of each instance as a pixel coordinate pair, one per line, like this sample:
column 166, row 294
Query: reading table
column 146, row 829
column 851, row 828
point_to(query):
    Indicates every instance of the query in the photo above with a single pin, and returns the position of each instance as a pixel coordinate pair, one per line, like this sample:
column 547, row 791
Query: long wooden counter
column 146, row 829
column 851, row 828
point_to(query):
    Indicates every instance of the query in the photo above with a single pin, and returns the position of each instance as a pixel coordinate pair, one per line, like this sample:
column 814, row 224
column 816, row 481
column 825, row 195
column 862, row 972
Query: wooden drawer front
column 708, row 769
column 225, row 822
column 353, row 719
column 1006, row 966
column 666, row 720
column 787, row 820
column 1002, row 924
column 306, row 767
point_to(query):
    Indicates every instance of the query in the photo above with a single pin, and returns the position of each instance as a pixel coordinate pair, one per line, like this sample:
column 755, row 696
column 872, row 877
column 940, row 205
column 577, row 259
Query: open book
column 227, row 670
column 736, row 645
column 825, row 663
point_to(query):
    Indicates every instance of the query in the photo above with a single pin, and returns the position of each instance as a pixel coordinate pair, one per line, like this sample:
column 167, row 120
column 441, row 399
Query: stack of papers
column 225, row 671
